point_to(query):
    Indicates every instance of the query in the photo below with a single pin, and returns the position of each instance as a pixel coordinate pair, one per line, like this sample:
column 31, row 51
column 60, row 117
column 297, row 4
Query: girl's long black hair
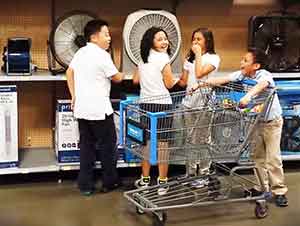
column 147, row 42
column 209, row 42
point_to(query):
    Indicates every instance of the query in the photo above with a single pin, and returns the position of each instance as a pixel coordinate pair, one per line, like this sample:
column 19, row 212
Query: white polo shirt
column 206, row 59
column 151, row 78
column 93, row 69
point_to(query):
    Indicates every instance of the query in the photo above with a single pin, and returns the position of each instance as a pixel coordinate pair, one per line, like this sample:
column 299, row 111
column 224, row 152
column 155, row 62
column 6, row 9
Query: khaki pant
column 267, row 156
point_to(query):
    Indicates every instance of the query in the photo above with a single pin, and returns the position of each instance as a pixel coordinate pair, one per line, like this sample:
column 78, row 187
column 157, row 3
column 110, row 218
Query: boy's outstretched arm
column 258, row 88
column 212, row 81
column 215, row 81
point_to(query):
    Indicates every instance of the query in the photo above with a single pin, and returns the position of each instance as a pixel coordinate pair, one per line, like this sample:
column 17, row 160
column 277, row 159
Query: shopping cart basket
column 213, row 128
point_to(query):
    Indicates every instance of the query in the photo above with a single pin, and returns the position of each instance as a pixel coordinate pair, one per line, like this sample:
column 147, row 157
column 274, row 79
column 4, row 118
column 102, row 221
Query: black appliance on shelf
column 279, row 37
column 17, row 56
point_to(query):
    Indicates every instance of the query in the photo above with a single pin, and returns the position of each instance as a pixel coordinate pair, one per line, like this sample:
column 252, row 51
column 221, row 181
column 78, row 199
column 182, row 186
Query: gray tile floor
column 53, row 204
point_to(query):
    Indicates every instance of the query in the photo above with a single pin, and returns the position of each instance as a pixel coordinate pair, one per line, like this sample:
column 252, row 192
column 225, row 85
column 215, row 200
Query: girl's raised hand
column 196, row 49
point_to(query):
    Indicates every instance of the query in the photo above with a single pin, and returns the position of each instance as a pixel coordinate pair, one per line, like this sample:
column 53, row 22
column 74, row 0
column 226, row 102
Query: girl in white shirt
column 201, row 62
column 155, row 77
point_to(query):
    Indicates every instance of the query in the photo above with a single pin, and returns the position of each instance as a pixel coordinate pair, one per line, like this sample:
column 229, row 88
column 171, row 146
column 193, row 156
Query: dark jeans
column 100, row 133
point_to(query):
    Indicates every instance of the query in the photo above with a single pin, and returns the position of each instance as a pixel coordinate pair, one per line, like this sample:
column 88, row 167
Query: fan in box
column 279, row 37
column 135, row 26
column 66, row 38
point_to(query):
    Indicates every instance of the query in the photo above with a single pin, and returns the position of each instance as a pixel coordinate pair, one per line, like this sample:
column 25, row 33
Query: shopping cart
column 227, row 134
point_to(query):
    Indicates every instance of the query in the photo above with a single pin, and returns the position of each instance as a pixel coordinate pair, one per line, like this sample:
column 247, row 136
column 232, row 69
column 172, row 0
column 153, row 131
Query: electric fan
column 279, row 37
column 135, row 26
column 67, row 37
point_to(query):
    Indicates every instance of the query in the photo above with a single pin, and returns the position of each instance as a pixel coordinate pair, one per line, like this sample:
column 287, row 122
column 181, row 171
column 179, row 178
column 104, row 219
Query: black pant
column 100, row 133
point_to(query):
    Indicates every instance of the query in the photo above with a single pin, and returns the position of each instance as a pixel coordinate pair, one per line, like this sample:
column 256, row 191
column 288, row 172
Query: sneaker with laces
column 143, row 182
column 254, row 193
column 164, row 187
column 200, row 183
column 281, row 201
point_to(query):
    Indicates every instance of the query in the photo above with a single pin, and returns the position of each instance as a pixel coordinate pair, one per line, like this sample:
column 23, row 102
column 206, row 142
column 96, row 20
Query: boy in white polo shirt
column 266, row 153
column 89, row 79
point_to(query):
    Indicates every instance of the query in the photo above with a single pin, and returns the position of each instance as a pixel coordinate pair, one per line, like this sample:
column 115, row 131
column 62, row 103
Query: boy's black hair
column 259, row 56
column 209, row 42
column 147, row 42
column 92, row 27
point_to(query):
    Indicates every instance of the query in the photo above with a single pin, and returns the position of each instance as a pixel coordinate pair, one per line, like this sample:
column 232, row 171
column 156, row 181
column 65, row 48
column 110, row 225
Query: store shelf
column 44, row 160
column 38, row 76
column 295, row 157
column 75, row 166
column 47, row 76
column 286, row 75
column 40, row 160
column 34, row 161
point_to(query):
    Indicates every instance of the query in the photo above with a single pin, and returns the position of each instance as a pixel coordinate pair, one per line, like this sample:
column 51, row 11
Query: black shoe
column 253, row 193
column 106, row 189
column 281, row 200
column 87, row 192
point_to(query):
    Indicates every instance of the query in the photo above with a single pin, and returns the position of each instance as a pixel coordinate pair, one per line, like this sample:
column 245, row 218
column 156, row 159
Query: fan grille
column 143, row 24
column 68, row 37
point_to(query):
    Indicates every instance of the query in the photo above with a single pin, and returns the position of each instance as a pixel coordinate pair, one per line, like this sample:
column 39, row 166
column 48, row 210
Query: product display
column 8, row 127
column 289, row 97
column 67, row 135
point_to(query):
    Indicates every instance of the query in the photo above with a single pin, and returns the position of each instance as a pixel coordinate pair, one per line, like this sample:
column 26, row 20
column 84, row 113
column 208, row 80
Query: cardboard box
column 67, row 135
column 8, row 126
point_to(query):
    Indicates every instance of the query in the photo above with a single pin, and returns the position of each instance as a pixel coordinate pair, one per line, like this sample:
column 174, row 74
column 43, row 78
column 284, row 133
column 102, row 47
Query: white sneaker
column 164, row 186
column 143, row 182
column 200, row 183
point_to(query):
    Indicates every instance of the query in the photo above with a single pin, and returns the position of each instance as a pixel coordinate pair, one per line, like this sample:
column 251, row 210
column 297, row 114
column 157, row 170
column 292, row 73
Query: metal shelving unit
column 47, row 76
column 75, row 166
column 291, row 157
column 34, row 160
column 39, row 77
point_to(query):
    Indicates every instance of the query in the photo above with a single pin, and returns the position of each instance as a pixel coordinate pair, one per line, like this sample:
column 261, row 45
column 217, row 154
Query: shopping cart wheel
column 139, row 211
column 214, row 183
column 159, row 219
column 261, row 209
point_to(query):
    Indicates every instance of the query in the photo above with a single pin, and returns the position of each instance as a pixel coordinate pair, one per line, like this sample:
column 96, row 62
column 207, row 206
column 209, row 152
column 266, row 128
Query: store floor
column 54, row 204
